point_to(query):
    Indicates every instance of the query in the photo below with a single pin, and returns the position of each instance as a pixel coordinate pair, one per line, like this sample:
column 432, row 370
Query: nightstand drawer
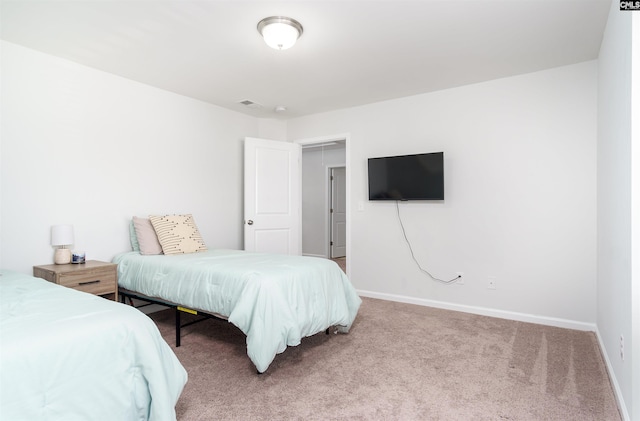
column 93, row 276
column 98, row 283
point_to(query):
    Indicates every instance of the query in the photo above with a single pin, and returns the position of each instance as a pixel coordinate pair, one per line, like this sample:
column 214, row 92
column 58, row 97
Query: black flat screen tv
column 407, row 177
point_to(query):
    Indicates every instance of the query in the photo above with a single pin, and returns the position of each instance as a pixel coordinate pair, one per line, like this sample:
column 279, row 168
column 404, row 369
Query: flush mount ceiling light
column 280, row 32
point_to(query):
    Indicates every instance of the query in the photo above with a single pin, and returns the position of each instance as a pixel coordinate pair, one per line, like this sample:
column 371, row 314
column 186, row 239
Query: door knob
column 249, row 222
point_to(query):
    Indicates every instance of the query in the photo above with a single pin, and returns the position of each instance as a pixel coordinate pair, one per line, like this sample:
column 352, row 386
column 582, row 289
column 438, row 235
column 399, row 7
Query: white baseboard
column 483, row 311
column 614, row 381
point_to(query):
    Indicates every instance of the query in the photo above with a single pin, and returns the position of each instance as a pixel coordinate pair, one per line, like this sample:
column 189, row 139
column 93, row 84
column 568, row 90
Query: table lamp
column 61, row 237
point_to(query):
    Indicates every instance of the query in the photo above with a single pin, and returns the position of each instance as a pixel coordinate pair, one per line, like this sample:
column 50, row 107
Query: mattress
column 276, row 300
column 70, row 355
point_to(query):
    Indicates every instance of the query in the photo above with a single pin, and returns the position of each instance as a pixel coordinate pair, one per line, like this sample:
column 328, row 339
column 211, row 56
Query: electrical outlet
column 622, row 347
column 491, row 284
column 460, row 280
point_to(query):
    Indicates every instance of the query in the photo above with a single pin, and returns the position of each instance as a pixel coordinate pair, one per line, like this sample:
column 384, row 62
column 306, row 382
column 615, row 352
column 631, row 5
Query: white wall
column 520, row 176
column 315, row 194
column 91, row 149
column 615, row 194
column 634, row 351
column 270, row 128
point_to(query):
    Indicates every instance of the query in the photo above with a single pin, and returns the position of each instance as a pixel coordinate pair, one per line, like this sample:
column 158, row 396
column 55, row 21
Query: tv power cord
column 404, row 233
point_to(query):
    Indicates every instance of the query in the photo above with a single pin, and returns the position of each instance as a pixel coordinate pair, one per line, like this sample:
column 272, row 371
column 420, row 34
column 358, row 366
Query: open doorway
column 325, row 233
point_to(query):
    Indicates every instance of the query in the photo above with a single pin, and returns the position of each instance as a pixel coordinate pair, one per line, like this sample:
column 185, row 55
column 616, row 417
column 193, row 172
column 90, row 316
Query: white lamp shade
column 280, row 35
column 62, row 235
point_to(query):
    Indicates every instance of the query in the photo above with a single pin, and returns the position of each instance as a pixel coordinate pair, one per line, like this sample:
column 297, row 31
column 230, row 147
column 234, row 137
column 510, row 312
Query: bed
column 67, row 354
column 276, row 300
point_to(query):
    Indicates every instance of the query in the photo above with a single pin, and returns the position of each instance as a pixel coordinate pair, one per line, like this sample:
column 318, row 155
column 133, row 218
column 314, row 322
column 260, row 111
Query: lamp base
column 62, row 256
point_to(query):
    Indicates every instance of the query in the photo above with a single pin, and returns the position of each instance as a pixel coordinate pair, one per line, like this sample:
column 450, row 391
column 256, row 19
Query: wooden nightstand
column 94, row 277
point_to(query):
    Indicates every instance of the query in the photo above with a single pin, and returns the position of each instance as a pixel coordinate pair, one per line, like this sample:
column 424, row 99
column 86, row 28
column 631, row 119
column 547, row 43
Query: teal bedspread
column 276, row 300
column 69, row 355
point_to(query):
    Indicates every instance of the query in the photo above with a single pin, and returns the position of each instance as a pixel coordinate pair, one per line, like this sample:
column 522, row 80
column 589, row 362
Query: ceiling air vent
column 250, row 104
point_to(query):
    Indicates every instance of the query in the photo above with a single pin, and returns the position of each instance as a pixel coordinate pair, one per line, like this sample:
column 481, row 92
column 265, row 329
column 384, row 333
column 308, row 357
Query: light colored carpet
column 399, row 362
column 342, row 262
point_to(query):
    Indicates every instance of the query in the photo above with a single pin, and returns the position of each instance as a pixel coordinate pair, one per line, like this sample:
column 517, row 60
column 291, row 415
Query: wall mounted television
column 407, row 177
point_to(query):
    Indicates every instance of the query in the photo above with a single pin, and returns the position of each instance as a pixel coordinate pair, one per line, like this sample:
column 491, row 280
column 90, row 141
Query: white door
column 272, row 197
column 338, row 212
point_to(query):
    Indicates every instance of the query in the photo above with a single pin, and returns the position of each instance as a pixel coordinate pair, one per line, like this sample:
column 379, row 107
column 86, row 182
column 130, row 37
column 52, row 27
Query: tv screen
column 407, row 177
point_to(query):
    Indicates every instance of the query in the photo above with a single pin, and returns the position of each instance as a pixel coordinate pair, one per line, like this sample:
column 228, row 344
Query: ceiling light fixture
column 280, row 32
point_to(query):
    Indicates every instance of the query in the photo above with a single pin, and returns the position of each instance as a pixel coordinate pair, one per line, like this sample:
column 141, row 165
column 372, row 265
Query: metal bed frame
column 132, row 295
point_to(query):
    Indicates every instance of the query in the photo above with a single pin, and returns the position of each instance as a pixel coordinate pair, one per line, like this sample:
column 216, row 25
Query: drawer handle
column 97, row 281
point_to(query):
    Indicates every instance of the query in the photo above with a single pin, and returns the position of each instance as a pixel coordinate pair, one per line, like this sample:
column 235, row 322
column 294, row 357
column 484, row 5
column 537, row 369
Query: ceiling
column 352, row 52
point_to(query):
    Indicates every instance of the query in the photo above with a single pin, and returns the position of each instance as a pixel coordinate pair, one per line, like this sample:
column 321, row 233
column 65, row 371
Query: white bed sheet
column 276, row 300
column 69, row 355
